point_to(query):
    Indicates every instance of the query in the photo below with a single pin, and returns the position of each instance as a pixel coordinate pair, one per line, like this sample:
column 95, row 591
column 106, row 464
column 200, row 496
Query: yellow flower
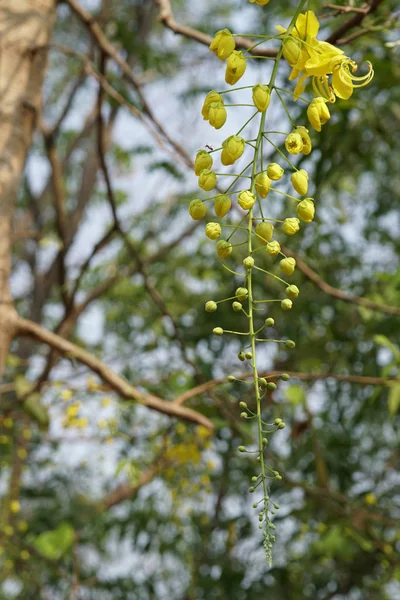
column 66, row 395
column 107, row 401
column 232, row 149
column 307, row 146
column 263, row 184
column 15, row 506
column 318, row 113
column 342, row 78
column 291, row 226
column 261, row 97
column 223, row 44
column 299, row 181
column 288, row 265
column 370, row 499
column 203, row 161
column 306, row 210
column 260, row 2
column 224, row 248
column 291, row 51
column 222, row 205
column 210, row 306
column 264, row 232
column 197, row 210
column 273, row 248
column 213, row 230
column 246, row 199
column 217, row 115
column 294, row 143
column 274, row 171
column 207, row 180
column 211, row 97
column 235, row 67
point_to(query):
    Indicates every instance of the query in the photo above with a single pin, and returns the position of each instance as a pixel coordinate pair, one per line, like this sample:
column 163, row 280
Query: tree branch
column 204, row 387
column 335, row 292
column 24, row 327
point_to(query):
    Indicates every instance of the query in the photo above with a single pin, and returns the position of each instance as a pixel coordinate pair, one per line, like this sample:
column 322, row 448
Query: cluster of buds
column 264, row 232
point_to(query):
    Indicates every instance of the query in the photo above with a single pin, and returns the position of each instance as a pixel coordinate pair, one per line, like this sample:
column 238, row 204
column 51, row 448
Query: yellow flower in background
column 235, row 67
column 223, row 44
column 318, row 113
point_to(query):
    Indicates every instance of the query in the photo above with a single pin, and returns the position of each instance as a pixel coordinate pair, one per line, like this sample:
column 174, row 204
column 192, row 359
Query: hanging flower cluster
column 332, row 76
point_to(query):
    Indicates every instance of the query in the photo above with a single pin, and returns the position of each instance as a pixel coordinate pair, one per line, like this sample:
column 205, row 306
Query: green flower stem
column 234, row 181
column 252, row 333
column 292, row 94
column 281, row 153
column 284, row 194
column 272, row 275
column 285, row 108
column 233, row 272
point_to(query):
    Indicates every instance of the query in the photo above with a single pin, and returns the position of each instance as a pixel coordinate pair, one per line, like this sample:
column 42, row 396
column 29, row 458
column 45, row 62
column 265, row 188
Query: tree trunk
column 25, row 28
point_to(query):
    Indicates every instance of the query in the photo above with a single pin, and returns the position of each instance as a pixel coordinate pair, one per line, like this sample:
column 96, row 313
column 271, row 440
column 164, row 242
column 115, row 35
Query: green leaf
column 55, row 543
column 295, row 394
column 394, row 400
column 382, row 340
column 37, row 411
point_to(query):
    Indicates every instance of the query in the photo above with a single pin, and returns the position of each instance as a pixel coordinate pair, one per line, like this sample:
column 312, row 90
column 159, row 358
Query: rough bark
column 25, row 28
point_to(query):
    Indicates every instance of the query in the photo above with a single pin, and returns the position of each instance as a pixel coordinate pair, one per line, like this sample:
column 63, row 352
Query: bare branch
column 204, row 387
column 24, row 327
column 335, row 292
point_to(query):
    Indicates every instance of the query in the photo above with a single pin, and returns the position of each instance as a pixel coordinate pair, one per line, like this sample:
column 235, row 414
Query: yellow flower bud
column 307, row 146
column 306, row 210
column 299, row 181
column 291, row 226
column 318, row 113
column 213, row 230
column 292, row 291
column 261, row 97
column 207, row 180
column 222, row 205
column 218, row 331
column 273, row 248
column 288, row 265
column 241, row 293
column 263, row 184
column 246, row 199
column 291, row 51
column 264, row 232
column 260, row 2
column 232, row 149
column 211, row 306
column 217, row 115
column 224, row 248
column 203, row 161
column 274, row 171
column 248, row 262
column 294, row 143
column 286, row 304
column 223, row 44
column 197, row 210
column 235, row 67
column 211, row 97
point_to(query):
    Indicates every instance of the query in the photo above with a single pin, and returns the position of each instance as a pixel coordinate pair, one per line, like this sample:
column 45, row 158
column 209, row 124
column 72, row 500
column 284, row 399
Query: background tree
column 118, row 436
